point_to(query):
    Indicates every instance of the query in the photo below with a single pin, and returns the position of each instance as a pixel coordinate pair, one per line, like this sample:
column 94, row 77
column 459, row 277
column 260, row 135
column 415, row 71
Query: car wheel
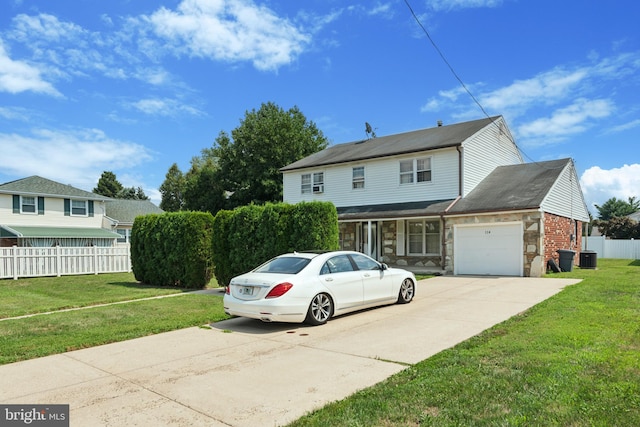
column 407, row 291
column 320, row 310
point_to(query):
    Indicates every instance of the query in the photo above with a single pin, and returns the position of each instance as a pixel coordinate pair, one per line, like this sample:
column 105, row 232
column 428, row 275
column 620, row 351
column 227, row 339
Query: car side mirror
column 383, row 266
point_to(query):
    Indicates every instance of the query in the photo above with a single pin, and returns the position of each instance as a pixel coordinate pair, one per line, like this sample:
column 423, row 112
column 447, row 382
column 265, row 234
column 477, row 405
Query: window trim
column 35, row 205
column 424, row 234
column 357, row 183
column 315, row 184
column 414, row 173
column 86, row 207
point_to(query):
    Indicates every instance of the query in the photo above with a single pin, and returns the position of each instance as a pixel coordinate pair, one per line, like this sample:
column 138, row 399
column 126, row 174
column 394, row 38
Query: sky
column 134, row 86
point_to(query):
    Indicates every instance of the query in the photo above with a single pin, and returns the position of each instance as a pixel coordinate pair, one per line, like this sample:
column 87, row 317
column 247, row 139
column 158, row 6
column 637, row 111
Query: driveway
column 242, row 372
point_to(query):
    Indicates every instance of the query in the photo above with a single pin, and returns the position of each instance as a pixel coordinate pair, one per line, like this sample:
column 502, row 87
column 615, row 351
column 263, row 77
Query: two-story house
column 456, row 199
column 120, row 214
column 38, row 212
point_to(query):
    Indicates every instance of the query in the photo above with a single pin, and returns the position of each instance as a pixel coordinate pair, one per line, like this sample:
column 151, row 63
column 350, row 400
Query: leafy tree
column 203, row 190
column 617, row 208
column 132, row 193
column 620, row 228
column 172, row 190
column 266, row 140
column 108, row 185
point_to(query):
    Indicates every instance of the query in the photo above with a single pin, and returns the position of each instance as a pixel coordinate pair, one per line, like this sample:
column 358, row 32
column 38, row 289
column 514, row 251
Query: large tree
column 203, row 190
column 172, row 190
column 614, row 207
column 108, row 185
column 249, row 160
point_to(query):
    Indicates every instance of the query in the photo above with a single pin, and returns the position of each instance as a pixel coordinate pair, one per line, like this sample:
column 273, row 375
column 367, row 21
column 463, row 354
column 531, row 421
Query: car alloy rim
column 321, row 307
column 407, row 289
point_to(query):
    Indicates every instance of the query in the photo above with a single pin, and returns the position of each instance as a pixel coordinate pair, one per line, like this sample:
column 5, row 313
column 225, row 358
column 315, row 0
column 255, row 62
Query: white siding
column 565, row 197
column 382, row 182
column 53, row 215
column 491, row 147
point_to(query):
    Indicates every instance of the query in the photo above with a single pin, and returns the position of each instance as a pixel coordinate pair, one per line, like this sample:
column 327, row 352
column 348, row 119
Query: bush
column 250, row 235
column 173, row 249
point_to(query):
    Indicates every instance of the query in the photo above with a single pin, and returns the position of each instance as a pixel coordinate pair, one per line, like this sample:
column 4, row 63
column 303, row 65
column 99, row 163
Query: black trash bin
column 566, row 259
column 588, row 259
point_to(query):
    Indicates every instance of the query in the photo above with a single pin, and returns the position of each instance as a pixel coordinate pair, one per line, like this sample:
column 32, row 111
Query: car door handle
column 329, row 279
column 366, row 275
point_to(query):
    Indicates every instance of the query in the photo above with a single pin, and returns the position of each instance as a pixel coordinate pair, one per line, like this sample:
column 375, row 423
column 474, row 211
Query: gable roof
column 38, row 186
column 513, row 187
column 125, row 210
column 401, row 143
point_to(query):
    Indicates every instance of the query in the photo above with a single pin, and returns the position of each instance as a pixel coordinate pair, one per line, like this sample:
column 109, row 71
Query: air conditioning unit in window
column 318, row 188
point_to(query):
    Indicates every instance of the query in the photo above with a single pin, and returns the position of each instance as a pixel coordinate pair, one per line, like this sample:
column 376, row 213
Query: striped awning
column 56, row 232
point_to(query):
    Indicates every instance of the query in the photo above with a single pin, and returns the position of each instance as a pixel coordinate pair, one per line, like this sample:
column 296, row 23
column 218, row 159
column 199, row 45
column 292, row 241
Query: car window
column 337, row 264
column 283, row 265
column 364, row 262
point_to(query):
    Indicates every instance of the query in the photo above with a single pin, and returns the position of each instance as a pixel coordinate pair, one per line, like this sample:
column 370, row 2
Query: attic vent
column 439, row 123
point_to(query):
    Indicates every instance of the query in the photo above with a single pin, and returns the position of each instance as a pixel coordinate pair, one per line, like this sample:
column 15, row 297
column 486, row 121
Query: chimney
column 439, row 123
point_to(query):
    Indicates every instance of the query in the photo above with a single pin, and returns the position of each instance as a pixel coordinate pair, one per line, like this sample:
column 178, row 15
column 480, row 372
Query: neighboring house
column 120, row 214
column 635, row 216
column 455, row 199
column 38, row 212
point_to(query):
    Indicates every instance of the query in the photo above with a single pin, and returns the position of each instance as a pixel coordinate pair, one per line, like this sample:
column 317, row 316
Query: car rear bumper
column 265, row 310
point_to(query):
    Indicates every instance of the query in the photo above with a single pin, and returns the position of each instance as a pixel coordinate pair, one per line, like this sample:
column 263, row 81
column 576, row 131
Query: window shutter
column 90, row 207
column 16, row 203
column 400, row 237
column 40, row 205
column 67, row 207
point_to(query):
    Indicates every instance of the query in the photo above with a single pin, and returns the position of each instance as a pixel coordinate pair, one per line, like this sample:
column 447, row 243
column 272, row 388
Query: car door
column 377, row 284
column 343, row 280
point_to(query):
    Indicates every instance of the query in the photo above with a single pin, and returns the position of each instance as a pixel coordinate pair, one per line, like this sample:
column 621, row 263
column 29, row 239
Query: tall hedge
column 250, row 235
column 173, row 249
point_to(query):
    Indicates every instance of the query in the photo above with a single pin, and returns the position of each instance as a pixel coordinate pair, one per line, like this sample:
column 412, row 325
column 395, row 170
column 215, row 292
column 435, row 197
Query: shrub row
column 186, row 248
column 173, row 249
column 250, row 235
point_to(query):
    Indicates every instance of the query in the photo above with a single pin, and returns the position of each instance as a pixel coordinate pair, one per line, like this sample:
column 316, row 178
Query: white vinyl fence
column 18, row 262
column 612, row 248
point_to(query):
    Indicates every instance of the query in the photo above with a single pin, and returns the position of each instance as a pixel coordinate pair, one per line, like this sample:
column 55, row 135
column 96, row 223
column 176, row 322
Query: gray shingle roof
column 517, row 187
column 125, row 211
column 39, row 186
column 401, row 143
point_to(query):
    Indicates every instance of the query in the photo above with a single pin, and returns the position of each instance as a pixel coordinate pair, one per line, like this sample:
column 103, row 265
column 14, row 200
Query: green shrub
column 250, row 235
column 173, row 249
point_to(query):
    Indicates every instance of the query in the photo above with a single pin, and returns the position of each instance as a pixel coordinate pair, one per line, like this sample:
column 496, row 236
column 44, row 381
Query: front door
column 367, row 239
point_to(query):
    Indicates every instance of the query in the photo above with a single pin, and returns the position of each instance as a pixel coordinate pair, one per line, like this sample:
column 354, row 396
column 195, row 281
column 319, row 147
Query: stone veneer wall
column 533, row 263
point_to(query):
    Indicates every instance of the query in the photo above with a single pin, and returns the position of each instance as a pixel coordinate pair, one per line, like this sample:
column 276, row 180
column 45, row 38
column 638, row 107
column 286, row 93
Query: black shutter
column 90, row 207
column 16, row 203
column 67, row 207
column 40, row 205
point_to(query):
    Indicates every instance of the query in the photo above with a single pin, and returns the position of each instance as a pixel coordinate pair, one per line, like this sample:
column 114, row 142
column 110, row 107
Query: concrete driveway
column 242, row 372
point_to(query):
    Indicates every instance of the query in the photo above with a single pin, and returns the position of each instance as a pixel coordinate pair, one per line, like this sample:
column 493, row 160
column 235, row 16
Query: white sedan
column 313, row 287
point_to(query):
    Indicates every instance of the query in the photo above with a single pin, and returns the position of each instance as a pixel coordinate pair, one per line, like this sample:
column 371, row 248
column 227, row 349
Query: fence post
column 58, row 261
column 15, row 262
column 95, row 260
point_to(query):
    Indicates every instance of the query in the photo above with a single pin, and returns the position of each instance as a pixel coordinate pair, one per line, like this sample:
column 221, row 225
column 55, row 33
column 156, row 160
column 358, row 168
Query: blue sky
column 133, row 86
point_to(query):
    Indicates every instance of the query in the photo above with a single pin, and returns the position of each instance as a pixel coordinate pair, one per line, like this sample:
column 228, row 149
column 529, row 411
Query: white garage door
column 488, row 249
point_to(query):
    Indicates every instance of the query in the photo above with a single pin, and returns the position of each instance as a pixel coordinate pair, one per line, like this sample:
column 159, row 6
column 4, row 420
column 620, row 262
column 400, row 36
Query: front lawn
column 573, row 360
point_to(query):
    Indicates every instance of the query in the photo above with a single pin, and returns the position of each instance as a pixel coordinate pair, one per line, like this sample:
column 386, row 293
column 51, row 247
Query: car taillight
column 227, row 290
column 279, row 290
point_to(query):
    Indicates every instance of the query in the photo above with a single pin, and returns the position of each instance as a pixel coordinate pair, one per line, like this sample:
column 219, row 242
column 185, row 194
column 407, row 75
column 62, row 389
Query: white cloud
column 447, row 5
column 566, row 121
column 165, row 107
column 231, row 31
column 72, row 157
column 599, row 185
column 18, row 76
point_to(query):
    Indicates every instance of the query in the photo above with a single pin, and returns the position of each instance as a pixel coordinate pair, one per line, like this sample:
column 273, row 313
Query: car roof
column 314, row 254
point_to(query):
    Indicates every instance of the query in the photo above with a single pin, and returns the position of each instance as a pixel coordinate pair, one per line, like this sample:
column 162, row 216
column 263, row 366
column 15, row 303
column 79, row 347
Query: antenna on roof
column 369, row 130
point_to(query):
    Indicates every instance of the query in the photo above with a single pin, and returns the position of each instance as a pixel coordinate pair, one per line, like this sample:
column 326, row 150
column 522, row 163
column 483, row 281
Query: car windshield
column 283, row 265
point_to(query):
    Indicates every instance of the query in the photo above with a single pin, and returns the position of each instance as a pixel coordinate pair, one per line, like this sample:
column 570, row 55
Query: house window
column 415, row 170
column 78, row 207
column 305, row 187
column 423, row 237
column 358, row 177
column 125, row 235
column 28, row 204
column 318, row 182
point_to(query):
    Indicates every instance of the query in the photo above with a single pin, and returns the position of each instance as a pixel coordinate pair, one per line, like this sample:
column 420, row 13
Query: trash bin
column 588, row 259
column 566, row 259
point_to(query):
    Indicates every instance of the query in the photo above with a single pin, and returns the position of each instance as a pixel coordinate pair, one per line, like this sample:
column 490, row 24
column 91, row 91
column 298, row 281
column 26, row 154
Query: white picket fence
column 612, row 248
column 16, row 262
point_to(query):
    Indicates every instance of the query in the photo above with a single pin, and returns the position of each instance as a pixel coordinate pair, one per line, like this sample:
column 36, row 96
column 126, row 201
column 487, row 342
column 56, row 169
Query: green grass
column 45, row 334
column 573, row 360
